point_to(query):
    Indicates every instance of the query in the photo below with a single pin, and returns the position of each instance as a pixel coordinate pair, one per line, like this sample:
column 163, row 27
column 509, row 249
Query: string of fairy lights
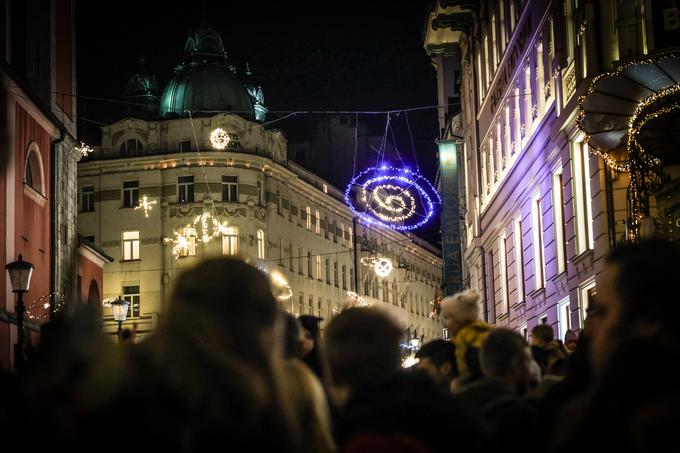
column 645, row 169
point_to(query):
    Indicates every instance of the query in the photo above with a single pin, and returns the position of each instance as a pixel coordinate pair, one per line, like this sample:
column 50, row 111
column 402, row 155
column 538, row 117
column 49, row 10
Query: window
column 131, row 294
column 308, row 210
column 487, row 56
column 344, row 276
column 87, row 199
column 230, row 241
column 311, row 305
column 290, row 256
column 130, row 245
column 260, row 244
column 328, row 271
column 319, row 303
column 318, row 267
column 351, row 280
column 301, row 305
column 33, row 169
column 513, row 18
column 374, row 290
column 309, row 265
column 519, row 259
column 385, row 291
column 502, row 251
column 184, row 145
column 280, row 250
column 335, row 273
column 351, row 238
column 300, row 258
column 317, row 222
column 260, row 194
column 586, row 293
column 130, row 194
column 494, row 42
column 583, row 210
column 537, row 233
column 279, row 206
column 230, row 189
column 130, row 148
column 185, row 189
column 563, row 317
column 558, row 221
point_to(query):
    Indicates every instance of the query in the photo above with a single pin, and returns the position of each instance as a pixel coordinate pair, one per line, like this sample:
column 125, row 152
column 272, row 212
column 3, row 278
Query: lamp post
column 120, row 308
column 20, row 273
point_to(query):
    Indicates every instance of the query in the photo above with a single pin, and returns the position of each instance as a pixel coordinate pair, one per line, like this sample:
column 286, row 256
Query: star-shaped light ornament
column 146, row 205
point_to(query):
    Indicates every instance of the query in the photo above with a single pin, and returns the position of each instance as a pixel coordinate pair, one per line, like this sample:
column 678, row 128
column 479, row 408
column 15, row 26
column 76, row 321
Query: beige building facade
column 277, row 214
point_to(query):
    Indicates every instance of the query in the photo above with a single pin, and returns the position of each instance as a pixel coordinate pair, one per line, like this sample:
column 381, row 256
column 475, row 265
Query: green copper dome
column 204, row 83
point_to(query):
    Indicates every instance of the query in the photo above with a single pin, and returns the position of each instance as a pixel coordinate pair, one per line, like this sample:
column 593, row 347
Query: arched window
column 33, row 169
column 130, row 148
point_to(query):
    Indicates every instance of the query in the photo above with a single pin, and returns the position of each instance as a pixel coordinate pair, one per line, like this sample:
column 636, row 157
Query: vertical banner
column 450, row 215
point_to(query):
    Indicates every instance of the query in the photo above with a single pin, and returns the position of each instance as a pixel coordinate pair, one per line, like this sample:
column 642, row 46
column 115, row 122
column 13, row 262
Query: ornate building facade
column 540, row 209
column 272, row 211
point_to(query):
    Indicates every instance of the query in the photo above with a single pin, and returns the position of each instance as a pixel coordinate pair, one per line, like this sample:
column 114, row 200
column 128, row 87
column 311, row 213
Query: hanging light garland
column 46, row 301
column 356, row 300
column 396, row 198
column 219, row 138
column 146, row 205
column 204, row 228
column 436, row 309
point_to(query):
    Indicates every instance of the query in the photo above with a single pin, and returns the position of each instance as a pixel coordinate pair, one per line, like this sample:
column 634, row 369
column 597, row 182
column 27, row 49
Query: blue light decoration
column 397, row 198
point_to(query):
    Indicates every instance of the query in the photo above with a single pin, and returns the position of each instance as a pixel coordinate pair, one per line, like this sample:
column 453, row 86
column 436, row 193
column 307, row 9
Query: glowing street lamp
column 120, row 308
column 20, row 273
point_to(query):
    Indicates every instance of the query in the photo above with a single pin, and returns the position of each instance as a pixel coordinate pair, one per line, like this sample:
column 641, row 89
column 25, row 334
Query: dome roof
column 203, row 81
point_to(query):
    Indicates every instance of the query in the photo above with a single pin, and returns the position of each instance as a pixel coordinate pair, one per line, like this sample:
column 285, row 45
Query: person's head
column 542, row 334
column 570, row 341
column 291, row 337
column 309, row 334
column 362, row 346
column 460, row 310
column 230, row 302
column 637, row 296
column 505, row 357
column 306, row 395
column 438, row 359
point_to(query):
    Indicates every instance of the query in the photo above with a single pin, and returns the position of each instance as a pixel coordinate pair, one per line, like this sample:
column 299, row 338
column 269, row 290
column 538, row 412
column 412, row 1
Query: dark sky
column 349, row 55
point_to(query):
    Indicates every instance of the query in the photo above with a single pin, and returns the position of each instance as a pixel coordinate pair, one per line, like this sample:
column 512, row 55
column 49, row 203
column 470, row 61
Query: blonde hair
column 309, row 405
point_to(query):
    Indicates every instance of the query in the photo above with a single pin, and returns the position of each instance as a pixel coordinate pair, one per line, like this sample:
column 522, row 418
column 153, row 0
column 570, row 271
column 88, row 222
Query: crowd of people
column 228, row 369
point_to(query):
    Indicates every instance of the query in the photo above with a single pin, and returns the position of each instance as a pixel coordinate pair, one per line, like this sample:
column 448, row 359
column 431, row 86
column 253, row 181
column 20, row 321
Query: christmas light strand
column 146, row 205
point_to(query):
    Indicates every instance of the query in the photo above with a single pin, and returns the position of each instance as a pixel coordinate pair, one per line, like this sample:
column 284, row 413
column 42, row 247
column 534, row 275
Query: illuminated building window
column 328, row 271
column 563, row 317
column 519, row 259
column 261, row 245
column 494, row 41
column 513, row 18
column 487, row 60
column 342, row 234
column 499, row 149
column 480, row 79
column 230, row 241
column 586, row 292
column 351, row 238
column 528, row 102
column 540, row 78
column 132, row 295
column 583, row 211
column 558, row 221
column 504, row 29
column 537, row 233
column 309, row 218
column 518, row 122
column 130, row 245
column 502, row 253
column 351, row 280
column 318, row 267
column 317, row 222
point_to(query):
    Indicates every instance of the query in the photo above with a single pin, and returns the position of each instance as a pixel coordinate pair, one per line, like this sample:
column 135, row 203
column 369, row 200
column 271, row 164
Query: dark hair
column 291, row 337
column 439, row 352
column 499, row 350
column 314, row 359
column 543, row 332
column 362, row 346
column 646, row 283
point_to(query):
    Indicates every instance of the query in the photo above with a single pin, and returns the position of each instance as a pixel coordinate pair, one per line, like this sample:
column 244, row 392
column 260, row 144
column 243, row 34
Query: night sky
column 350, row 55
